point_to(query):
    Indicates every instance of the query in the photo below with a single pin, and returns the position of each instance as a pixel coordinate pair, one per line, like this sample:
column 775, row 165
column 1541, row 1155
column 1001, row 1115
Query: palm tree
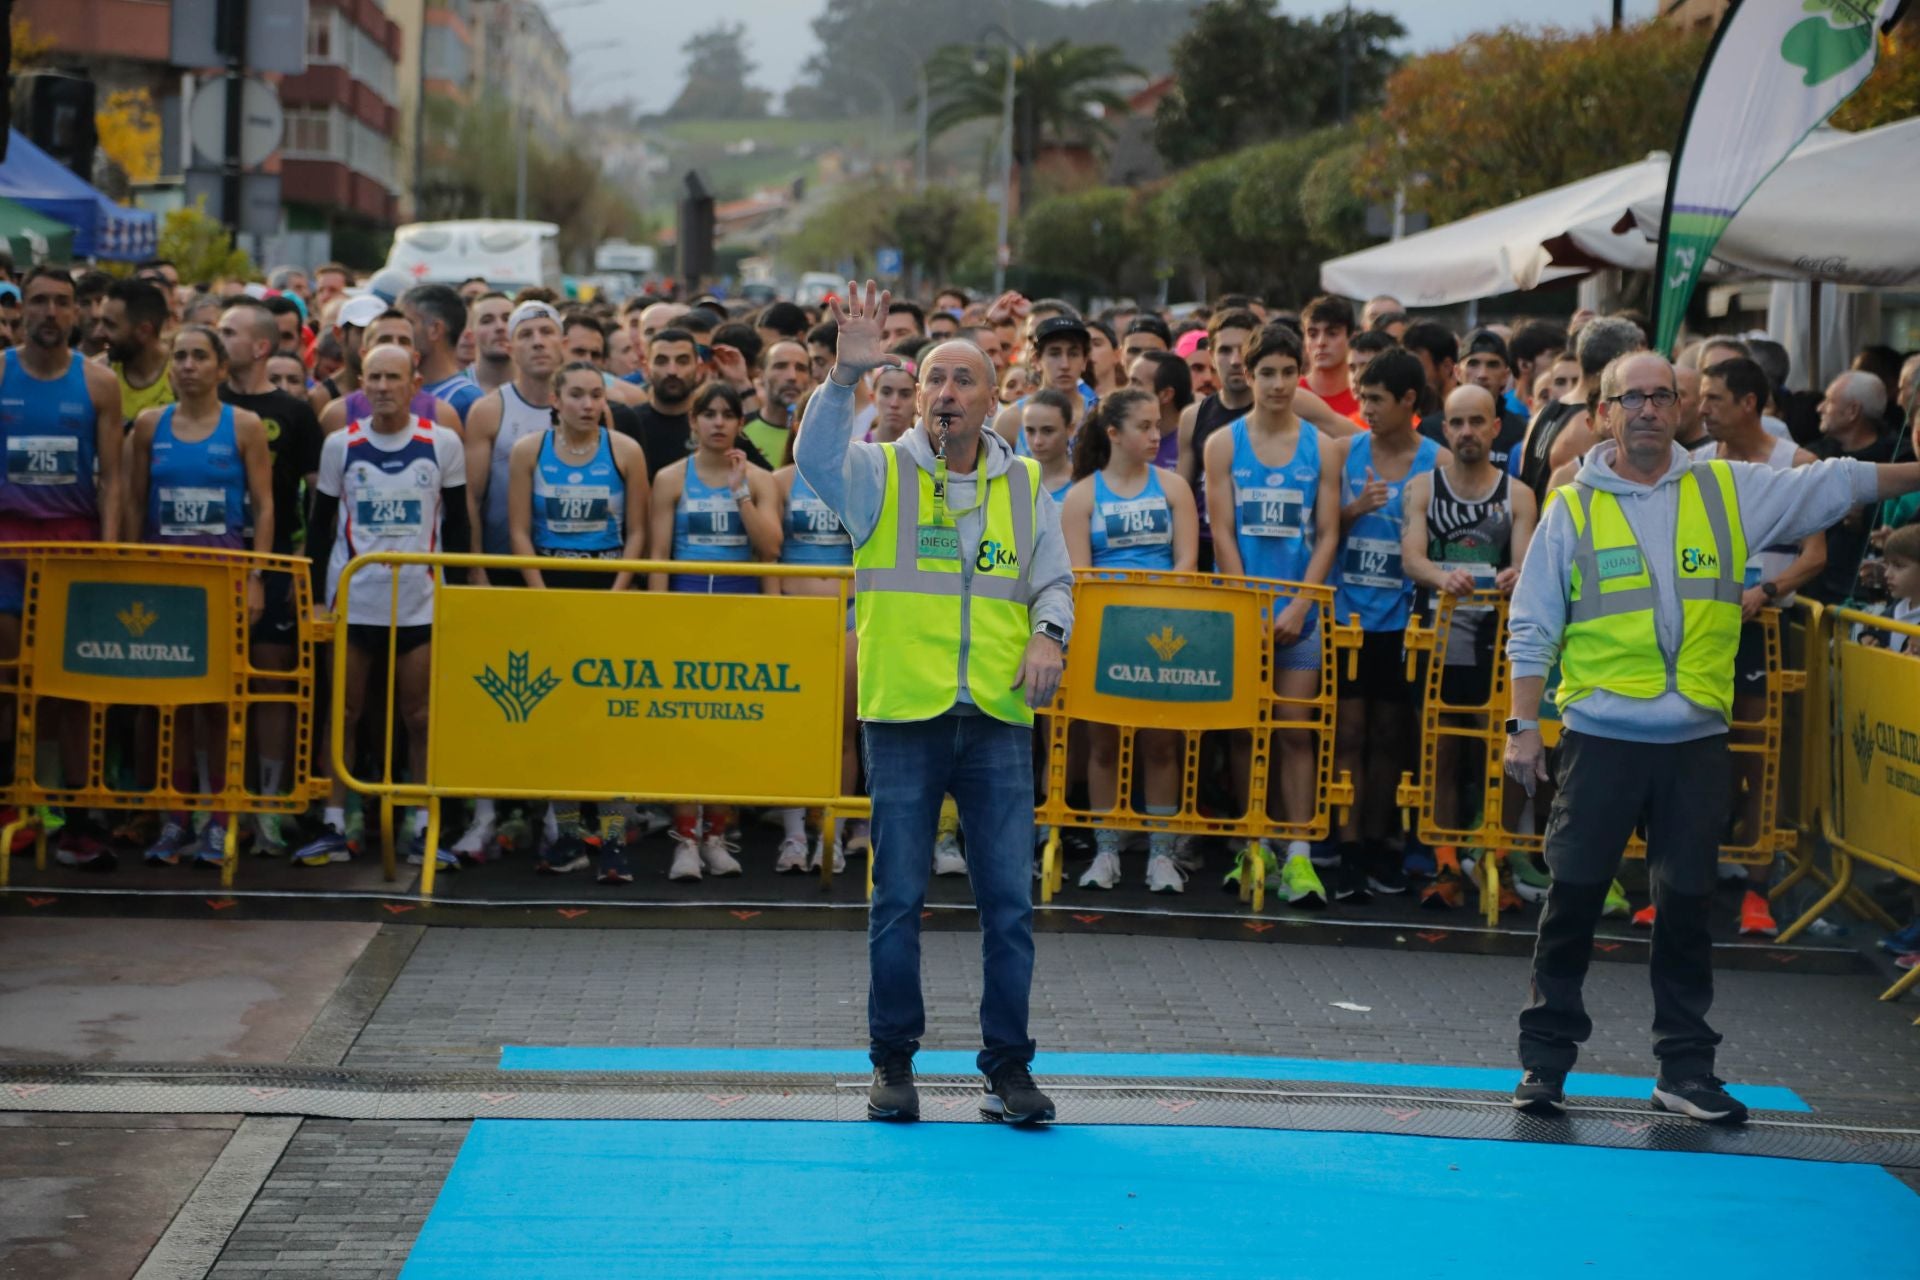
column 1054, row 90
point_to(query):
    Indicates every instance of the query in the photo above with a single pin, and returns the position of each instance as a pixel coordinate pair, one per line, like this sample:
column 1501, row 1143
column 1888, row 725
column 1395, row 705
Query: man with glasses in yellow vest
column 1633, row 582
column 964, row 602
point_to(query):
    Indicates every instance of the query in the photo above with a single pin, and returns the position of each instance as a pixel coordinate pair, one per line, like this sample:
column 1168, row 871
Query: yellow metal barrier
column 629, row 696
column 108, row 625
column 1191, row 653
column 1480, row 727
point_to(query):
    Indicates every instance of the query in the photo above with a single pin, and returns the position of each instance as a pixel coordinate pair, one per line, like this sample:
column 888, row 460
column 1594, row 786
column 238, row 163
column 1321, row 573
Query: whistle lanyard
column 942, row 513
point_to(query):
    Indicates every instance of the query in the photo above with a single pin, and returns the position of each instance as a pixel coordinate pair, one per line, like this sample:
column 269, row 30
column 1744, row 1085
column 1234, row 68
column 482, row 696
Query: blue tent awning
column 101, row 228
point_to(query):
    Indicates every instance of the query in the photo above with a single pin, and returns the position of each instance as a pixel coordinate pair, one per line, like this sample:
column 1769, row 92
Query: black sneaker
column 1702, row 1097
column 1349, row 879
column 1385, row 873
column 1541, row 1093
column 892, row 1096
column 1013, row 1098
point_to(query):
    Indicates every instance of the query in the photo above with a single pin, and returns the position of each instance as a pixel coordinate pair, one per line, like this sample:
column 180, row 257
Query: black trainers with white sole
column 1013, row 1098
column 1702, row 1098
column 892, row 1095
column 1541, row 1094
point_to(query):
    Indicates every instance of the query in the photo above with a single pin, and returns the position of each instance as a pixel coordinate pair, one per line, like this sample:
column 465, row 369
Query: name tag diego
column 937, row 542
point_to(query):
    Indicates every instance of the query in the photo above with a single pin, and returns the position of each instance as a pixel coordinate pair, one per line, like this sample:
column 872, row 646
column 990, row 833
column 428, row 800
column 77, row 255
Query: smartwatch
column 1516, row 725
column 1052, row 631
column 1771, row 590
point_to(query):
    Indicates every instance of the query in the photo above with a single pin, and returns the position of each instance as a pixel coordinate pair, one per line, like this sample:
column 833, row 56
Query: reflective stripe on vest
column 915, row 613
column 1611, row 639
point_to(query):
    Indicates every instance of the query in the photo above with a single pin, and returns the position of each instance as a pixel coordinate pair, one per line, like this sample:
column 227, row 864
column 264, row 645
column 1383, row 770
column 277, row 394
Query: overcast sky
column 614, row 58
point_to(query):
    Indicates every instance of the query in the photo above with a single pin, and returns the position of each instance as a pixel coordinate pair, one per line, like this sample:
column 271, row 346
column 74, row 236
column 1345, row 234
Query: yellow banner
column 1173, row 655
column 635, row 694
column 140, row 631
column 1877, row 723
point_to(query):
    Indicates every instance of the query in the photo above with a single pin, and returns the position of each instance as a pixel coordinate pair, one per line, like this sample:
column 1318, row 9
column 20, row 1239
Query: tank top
column 135, row 401
column 1273, row 506
column 1209, row 416
column 518, row 419
column 707, row 526
column 814, row 534
column 49, row 428
column 1765, row 563
column 579, row 510
column 391, row 499
column 1536, row 465
column 1132, row 533
column 1369, row 580
column 1475, row 535
column 1059, row 495
column 197, row 490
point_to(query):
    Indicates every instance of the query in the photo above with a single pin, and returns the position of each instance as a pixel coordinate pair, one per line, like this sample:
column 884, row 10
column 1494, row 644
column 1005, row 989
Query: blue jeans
column 987, row 766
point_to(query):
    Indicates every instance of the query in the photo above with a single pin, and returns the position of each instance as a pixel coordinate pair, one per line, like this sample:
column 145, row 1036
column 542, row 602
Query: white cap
column 530, row 311
column 361, row 311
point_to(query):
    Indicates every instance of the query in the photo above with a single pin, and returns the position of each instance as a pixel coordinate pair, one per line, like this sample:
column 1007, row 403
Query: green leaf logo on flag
column 1823, row 50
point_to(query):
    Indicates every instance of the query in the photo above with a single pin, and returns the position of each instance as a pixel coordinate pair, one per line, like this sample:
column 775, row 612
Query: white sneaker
column 717, row 854
column 649, row 820
column 793, row 855
column 1104, row 873
column 686, row 858
column 477, row 839
column 947, row 858
column 1186, row 854
column 820, row 852
column 1164, row 875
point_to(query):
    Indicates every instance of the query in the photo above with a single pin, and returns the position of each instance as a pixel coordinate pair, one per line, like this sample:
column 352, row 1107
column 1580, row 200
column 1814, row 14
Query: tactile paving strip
column 367, row 1094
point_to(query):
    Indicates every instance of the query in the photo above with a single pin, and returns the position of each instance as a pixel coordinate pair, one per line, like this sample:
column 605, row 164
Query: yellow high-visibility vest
column 1610, row 641
column 914, row 606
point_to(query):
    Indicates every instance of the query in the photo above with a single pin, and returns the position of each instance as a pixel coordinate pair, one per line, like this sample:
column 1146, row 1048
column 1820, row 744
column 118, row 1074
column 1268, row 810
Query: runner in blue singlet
column 1046, row 424
column 1275, row 508
column 201, row 475
column 1126, row 513
column 712, row 505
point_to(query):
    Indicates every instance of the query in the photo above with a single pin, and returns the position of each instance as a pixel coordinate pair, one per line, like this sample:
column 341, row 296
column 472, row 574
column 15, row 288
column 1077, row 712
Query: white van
column 508, row 255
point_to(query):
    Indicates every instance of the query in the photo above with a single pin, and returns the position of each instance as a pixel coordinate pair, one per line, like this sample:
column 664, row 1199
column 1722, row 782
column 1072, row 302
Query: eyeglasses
column 1635, row 401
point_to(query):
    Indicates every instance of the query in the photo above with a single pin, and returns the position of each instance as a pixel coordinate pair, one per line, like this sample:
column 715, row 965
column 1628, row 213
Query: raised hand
column 730, row 365
column 861, row 346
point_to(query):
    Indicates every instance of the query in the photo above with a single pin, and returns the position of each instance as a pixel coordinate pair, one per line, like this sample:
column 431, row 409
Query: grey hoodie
column 1775, row 507
column 851, row 477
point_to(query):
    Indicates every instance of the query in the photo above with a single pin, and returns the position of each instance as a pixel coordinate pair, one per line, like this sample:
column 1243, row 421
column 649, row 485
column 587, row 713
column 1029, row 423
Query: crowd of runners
column 1388, row 457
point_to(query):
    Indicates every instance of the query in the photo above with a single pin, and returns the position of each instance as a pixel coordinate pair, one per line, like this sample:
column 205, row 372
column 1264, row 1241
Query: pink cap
column 1189, row 342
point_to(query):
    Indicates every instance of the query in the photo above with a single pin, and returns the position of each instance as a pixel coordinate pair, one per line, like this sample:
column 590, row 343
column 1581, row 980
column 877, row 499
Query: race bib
column 188, row 512
column 814, row 523
column 713, row 522
column 1137, row 522
column 389, row 510
column 579, row 508
column 1272, row 513
column 1372, row 562
column 43, row 459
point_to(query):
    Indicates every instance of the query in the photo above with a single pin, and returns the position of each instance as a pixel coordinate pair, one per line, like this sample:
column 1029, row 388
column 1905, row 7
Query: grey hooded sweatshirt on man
column 1775, row 507
column 851, row 477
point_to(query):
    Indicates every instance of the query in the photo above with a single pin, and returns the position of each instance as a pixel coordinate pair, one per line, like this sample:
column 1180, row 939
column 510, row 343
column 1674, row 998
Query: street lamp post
column 1000, row 253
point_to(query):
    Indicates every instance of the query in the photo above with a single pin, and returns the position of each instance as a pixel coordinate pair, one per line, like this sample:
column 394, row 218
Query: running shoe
column 1301, row 883
column 612, row 858
column 1104, row 873
column 356, row 829
column 1530, row 879
column 1420, row 861
column 1350, row 877
column 1909, row 961
column 649, row 820
column 1903, row 941
column 892, row 1095
column 858, row 840
column 1616, row 906
column 716, row 853
column 1187, row 855
column 477, row 840
column 1448, row 890
column 686, row 857
column 269, row 836
column 1702, row 1097
column 445, row 859
column 1756, row 917
column 1164, row 874
column 1383, row 871
column 793, row 856
column 165, row 851
column 211, row 851
column 52, row 820
column 135, row 829
column 331, row 846
column 1013, row 1098
column 820, row 852
column 1541, row 1093
column 1252, row 859
column 1503, row 885
column 83, row 852
column 1643, row 918
column 513, row 834
column 567, row 854
column 947, row 858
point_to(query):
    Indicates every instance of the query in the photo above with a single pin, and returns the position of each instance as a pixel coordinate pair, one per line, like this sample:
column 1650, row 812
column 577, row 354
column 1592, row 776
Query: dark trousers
column 1678, row 793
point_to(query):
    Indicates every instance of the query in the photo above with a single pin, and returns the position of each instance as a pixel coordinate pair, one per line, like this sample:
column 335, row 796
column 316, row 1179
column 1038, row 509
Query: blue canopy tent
column 101, row 228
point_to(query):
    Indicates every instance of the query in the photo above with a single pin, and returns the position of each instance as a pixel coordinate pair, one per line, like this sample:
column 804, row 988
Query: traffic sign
column 888, row 262
column 261, row 121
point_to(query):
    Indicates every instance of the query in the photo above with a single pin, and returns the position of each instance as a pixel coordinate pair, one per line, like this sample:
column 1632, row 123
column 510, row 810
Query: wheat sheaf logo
column 1166, row 643
column 137, row 618
column 518, row 694
column 1863, row 746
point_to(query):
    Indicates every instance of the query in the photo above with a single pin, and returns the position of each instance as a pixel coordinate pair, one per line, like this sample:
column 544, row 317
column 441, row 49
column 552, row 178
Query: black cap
column 1061, row 327
column 1486, row 340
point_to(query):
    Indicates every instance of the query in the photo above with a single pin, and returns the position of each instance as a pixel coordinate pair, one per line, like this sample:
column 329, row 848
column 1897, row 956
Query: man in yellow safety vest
column 1634, row 582
column 964, row 602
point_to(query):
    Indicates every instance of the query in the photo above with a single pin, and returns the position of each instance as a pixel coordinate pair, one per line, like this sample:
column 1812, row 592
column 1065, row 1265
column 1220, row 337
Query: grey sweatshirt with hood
column 1775, row 507
column 851, row 477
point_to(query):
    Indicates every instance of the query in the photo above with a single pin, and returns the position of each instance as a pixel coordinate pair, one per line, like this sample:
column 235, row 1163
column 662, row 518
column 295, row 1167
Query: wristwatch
column 1517, row 725
column 1052, row 631
column 1771, row 590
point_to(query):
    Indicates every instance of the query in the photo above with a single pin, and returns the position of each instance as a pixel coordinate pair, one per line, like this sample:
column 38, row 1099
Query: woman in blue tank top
column 577, row 491
column 1276, row 514
column 712, row 505
column 1127, row 513
column 1046, row 424
column 201, row 476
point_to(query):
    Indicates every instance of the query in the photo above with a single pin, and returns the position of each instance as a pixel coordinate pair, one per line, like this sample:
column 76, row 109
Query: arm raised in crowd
column 849, row 475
